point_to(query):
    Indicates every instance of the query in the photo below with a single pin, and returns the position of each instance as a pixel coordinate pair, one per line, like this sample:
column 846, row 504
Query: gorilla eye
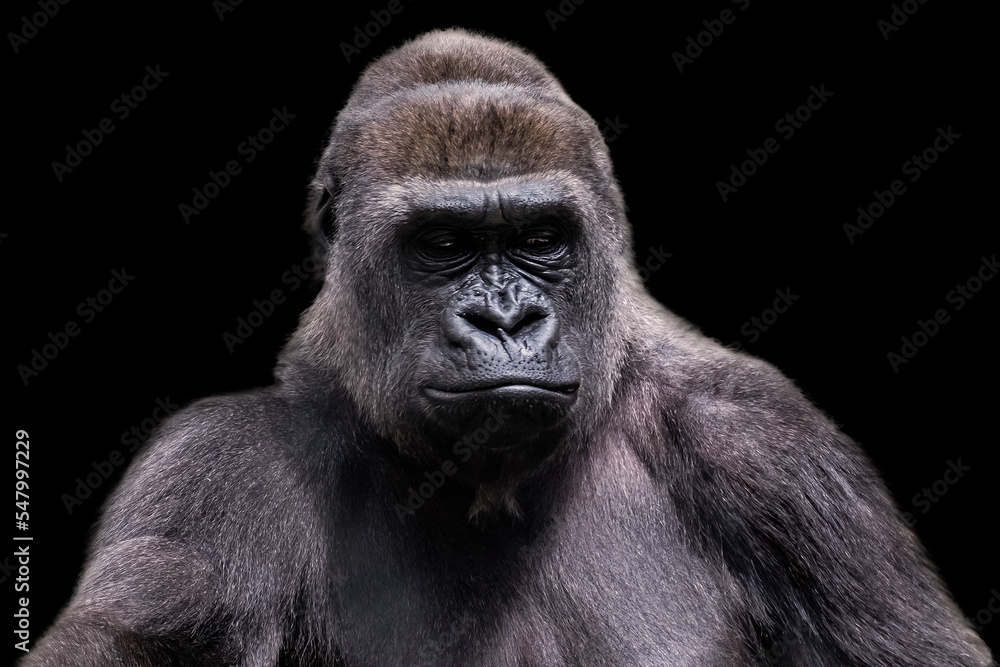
column 442, row 245
column 542, row 243
column 538, row 242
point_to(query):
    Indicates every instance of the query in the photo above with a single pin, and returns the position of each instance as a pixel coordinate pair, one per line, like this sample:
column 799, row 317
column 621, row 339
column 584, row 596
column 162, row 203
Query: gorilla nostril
column 484, row 324
column 525, row 322
column 490, row 325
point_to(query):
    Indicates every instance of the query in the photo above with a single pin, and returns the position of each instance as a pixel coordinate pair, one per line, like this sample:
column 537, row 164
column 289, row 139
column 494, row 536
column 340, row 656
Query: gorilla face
column 495, row 259
column 462, row 212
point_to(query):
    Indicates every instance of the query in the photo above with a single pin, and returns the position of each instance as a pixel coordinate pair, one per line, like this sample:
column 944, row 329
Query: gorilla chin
column 514, row 409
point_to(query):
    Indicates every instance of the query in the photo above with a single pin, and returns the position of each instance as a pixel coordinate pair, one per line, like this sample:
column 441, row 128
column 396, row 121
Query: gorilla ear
column 321, row 223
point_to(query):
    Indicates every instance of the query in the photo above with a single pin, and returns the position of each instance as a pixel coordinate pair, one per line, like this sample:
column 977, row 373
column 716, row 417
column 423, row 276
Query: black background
column 678, row 134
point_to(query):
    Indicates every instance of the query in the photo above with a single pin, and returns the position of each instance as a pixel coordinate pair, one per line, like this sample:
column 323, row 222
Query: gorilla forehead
column 468, row 130
column 474, row 200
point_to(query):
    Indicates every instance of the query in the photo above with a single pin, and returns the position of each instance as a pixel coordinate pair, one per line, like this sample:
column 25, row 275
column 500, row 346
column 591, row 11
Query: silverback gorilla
column 487, row 445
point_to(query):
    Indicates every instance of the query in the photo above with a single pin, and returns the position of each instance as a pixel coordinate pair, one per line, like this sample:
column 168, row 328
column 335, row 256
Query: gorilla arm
column 804, row 522
column 177, row 573
column 137, row 604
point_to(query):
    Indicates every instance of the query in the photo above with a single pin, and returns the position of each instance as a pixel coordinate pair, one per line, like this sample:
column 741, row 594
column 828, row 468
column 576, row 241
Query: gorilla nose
column 500, row 323
column 517, row 322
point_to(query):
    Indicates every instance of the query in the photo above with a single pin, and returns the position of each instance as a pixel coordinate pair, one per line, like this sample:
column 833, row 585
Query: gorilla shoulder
column 215, row 464
column 724, row 402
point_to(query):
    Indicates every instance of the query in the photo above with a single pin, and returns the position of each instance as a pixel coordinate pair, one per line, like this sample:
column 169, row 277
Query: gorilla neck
column 474, row 477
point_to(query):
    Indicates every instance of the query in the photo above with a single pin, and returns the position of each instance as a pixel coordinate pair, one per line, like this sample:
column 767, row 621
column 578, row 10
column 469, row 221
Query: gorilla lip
column 512, row 388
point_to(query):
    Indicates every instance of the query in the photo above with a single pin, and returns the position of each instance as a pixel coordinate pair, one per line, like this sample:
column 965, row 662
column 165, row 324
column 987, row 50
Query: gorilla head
column 478, row 255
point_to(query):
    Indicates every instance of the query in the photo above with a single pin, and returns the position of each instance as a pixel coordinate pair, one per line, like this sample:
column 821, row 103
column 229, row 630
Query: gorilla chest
column 575, row 596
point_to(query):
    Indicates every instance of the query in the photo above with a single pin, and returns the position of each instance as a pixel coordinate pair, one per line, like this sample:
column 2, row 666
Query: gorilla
column 487, row 445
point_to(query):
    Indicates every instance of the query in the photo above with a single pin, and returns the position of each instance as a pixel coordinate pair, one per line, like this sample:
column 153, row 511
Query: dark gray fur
column 692, row 508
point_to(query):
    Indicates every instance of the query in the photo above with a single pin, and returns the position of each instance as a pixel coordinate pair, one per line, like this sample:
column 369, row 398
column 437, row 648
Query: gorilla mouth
column 535, row 405
column 509, row 389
